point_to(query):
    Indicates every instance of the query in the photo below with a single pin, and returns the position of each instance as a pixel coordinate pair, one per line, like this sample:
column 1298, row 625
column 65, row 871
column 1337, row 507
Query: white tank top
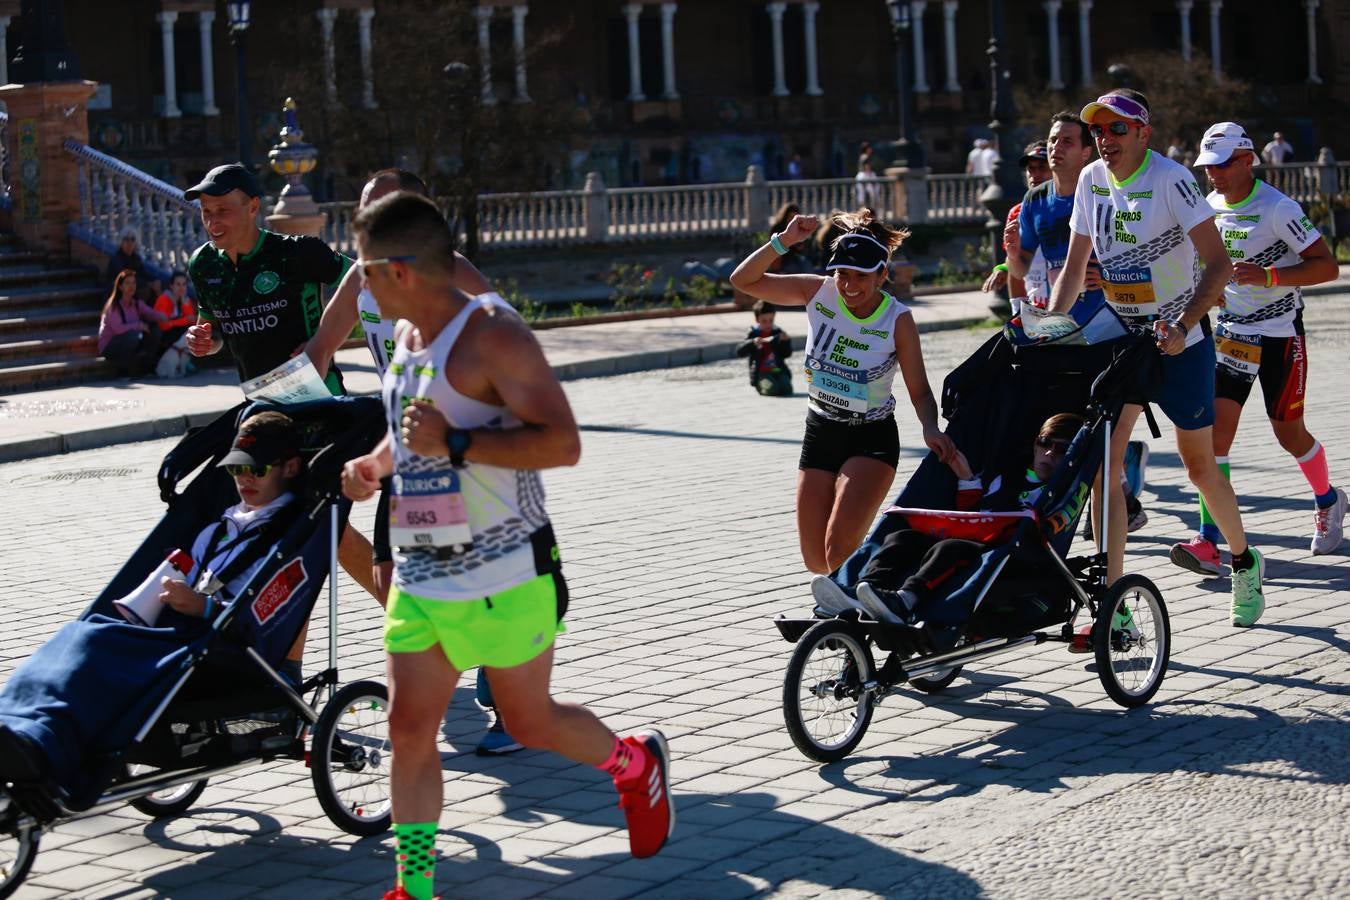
column 504, row 507
column 850, row 362
column 379, row 330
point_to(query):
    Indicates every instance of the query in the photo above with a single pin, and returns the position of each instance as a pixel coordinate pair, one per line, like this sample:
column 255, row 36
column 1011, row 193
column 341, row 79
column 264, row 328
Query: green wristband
column 777, row 246
column 1001, row 267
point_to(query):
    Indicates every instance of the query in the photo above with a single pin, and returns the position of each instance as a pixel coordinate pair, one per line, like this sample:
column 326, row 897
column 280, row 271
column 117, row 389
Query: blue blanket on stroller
column 89, row 689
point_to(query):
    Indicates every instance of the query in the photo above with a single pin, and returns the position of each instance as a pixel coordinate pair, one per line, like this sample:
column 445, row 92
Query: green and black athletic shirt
column 269, row 303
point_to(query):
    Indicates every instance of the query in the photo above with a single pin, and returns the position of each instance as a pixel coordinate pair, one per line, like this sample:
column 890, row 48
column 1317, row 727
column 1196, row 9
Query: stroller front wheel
column 18, row 848
column 826, row 702
column 1132, row 639
column 350, row 757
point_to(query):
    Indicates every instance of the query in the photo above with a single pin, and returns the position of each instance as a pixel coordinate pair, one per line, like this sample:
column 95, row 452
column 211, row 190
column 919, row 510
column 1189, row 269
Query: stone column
column 668, row 50
column 166, row 23
column 1310, row 7
column 205, row 20
column 484, row 16
column 327, row 18
column 363, row 17
column 45, row 182
column 597, row 208
column 809, row 10
column 1052, row 32
column 4, row 49
column 631, row 11
column 1085, row 41
column 1184, row 8
column 776, row 11
column 916, row 8
column 953, row 85
column 518, row 14
column 1215, row 46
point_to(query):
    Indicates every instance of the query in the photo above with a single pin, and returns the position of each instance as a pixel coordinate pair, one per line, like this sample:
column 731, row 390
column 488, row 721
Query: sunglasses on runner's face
column 256, row 471
column 364, row 264
column 1119, row 128
column 1228, row 162
column 1056, row 444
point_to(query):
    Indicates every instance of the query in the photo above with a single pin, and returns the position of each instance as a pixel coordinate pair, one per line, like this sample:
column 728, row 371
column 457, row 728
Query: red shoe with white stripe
column 646, row 801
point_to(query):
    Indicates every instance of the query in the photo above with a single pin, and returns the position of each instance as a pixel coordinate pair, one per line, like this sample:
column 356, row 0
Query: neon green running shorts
column 507, row 629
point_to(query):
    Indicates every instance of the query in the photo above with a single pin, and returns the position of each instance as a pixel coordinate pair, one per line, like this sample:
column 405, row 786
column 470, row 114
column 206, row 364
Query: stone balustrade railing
column 115, row 197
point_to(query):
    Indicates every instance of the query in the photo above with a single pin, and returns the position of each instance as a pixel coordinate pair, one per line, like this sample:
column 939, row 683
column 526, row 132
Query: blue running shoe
column 496, row 742
column 1136, row 465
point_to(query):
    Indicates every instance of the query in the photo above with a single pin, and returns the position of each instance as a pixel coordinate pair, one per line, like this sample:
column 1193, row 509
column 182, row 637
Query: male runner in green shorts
column 474, row 413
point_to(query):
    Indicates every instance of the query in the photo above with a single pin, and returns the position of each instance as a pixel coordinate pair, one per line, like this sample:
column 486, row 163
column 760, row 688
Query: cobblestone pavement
column 677, row 532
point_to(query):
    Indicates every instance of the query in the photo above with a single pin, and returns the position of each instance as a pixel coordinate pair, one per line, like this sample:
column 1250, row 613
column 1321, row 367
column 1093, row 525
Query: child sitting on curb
column 767, row 346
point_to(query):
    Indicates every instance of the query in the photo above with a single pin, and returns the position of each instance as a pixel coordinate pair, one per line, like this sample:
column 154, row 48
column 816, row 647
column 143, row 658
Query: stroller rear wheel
column 17, row 851
column 1132, row 639
column 825, row 702
column 169, row 802
column 350, row 757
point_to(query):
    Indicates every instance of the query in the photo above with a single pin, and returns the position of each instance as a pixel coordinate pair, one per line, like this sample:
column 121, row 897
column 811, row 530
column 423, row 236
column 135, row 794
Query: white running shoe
column 875, row 604
column 830, row 597
column 1329, row 526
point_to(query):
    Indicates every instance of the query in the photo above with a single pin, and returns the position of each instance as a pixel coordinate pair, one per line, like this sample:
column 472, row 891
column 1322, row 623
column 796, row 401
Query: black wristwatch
column 458, row 440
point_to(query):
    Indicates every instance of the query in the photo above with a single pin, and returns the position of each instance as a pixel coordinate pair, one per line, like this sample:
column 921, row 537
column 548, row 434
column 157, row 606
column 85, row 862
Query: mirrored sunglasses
column 1118, row 128
column 239, row 471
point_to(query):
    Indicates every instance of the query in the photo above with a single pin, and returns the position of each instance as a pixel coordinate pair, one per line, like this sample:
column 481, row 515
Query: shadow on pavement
column 729, row 846
column 1077, row 743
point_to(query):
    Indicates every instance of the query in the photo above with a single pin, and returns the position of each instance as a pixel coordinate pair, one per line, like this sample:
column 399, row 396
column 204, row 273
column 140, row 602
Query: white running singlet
column 850, row 362
column 1265, row 229
column 1139, row 229
column 379, row 330
column 501, row 507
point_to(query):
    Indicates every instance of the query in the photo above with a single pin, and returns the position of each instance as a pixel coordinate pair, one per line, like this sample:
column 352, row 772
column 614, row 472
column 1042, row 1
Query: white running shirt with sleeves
column 1139, row 229
column 1266, row 229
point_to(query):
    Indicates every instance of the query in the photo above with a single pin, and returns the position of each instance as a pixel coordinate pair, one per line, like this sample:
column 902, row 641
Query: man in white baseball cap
column 1276, row 251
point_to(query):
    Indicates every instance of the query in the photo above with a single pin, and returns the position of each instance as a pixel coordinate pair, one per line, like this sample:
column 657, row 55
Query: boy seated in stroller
column 62, row 698
column 914, row 568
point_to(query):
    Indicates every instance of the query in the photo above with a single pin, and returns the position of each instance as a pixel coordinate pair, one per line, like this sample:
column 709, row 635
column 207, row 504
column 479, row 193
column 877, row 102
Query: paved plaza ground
column 1023, row 780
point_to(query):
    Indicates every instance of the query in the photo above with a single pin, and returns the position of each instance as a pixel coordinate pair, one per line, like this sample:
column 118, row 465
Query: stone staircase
column 49, row 313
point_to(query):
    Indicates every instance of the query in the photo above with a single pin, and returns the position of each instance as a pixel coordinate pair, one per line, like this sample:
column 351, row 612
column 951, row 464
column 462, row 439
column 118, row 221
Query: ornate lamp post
column 239, row 14
column 293, row 159
column 908, row 149
column 1007, row 187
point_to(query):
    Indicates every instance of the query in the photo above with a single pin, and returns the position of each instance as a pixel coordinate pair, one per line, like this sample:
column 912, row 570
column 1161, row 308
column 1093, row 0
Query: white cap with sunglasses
column 1220, row 142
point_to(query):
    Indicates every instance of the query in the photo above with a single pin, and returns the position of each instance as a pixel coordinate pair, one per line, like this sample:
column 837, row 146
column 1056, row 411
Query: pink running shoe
column 1197, row 555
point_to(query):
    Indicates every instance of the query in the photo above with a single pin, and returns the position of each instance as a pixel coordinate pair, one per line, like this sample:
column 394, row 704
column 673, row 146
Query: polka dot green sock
column 415, row 861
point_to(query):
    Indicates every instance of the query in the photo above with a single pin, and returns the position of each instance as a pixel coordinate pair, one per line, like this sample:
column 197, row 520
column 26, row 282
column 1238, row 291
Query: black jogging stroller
column 206, row 700
column 1025, row 589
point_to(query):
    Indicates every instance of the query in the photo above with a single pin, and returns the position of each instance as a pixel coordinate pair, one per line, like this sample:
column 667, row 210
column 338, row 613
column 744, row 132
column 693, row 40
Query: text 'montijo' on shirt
column 1139, row 229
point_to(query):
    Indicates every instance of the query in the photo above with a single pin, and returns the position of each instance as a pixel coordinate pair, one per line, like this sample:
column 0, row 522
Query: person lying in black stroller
column 891, row 589
column 52, row 706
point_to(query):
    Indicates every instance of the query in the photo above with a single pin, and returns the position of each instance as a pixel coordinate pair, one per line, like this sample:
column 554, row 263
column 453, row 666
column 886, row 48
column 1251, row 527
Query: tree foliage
column 1184, row 98
column 428, row 121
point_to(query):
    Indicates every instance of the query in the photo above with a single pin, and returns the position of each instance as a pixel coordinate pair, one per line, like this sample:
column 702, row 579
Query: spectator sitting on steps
column 126, row 257
column 127, row 337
